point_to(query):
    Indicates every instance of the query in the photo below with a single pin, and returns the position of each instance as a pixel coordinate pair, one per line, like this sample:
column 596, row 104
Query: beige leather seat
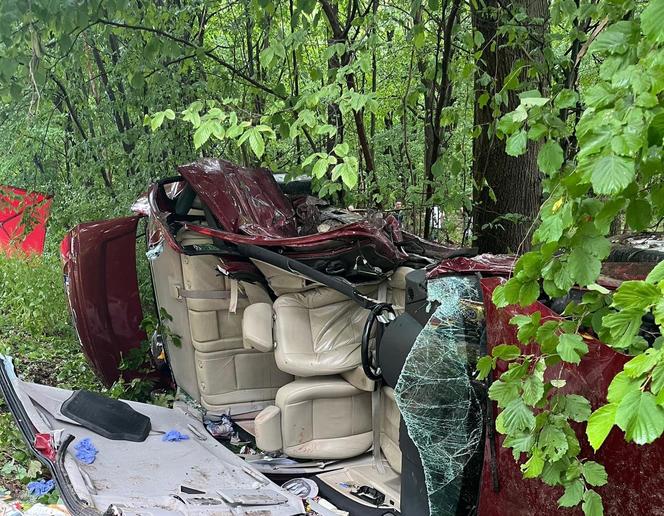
column 211, row 364
column 316, row 335
column 314, row 332
column 317, row 418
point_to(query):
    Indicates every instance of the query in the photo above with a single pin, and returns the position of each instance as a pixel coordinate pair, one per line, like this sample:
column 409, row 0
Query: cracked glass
column 436, row 396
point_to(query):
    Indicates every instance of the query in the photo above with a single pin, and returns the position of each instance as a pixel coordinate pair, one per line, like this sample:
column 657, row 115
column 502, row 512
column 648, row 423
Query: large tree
column 508, row 188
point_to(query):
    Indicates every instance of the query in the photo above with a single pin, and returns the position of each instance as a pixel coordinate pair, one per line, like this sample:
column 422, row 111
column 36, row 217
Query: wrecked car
column 330, row 353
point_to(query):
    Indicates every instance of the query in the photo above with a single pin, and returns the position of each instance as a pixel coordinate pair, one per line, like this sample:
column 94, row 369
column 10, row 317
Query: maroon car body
column 250, row 208
column 99, row 263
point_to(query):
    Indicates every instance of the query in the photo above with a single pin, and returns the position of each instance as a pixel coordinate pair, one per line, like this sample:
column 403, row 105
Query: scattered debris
column 221, row 429
column 303, row 487
column 40, row 487
column 174, row 436
column 86, row 451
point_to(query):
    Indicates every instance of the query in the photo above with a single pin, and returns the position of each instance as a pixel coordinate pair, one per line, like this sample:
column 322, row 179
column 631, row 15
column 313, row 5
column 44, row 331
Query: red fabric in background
column 19, row 207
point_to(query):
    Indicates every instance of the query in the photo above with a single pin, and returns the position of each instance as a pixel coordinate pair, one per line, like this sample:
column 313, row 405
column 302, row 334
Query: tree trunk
column 514, row 182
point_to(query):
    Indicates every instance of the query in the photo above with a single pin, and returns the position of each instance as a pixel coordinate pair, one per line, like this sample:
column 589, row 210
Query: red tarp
column 23, row 218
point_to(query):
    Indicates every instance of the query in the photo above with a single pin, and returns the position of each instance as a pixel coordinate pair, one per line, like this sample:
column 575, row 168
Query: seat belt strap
column 182, row 293
column 235, row 292
column 376, row 422
column 382, row 292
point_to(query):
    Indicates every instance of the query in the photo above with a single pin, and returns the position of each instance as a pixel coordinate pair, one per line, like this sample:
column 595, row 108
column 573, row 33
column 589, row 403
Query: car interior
column 283, row 360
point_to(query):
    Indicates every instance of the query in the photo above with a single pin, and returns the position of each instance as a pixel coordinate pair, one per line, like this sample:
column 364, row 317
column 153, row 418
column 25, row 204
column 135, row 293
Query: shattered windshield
column 440, row 407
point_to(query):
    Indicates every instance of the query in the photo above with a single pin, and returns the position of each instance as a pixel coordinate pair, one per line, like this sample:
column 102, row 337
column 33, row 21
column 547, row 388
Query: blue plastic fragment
column 86, row 451
column 174, row 435
column 40, row 487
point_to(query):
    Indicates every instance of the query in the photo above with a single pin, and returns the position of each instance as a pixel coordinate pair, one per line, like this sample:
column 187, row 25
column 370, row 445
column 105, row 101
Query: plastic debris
column 44, row 444
column 221, row 429
column 40, row 487
column 47, row 510
column 174, row 436
column 86, row 451
column 302, row 487
column 10, row 509
column 248, row 450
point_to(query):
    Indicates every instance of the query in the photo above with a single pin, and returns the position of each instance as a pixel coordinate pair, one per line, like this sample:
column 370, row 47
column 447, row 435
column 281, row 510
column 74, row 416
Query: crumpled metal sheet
column 439, row 405
column 499, row 264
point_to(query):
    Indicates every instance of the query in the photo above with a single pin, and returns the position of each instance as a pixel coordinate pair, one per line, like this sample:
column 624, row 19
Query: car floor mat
column 110, row 418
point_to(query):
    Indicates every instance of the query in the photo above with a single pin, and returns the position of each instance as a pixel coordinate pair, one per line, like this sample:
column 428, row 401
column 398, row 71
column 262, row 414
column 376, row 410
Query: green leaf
column 506, row 352
column 592, row 504
column 256, row 143
column 553, row 442
column 571, row 347
column 529, row 293
column 642, row 363
column 651, row 20
column 639, row 416
column 638, row 214
column 516, row 144
column 202, row 135
column 484, row 367
column 594, row 473
column 656, row 274
column 620, row 386
column 612, row 174
column 516, row 417
column 583, row 266
column 623, row 326
column 521, row 442
column 550, row 157
column 547, row 336
column 533, row 390
column 349, row 173
column 534, row 465
column 600, row 424
column 577, row 408
column 614, row 39
column 565, row 99
column 320, row 168
column 573, row 494
column 341, row 149
column 503, row 392
column 418, row 36
column 637, row 295
column 157, row 120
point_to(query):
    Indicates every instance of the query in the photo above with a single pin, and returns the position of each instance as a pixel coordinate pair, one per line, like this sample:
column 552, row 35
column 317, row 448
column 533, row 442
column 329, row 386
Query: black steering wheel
column 370, row 365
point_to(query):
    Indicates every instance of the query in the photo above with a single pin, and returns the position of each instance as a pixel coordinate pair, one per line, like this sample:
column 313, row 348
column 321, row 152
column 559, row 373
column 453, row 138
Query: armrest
column 268, row 429
column 257, row 327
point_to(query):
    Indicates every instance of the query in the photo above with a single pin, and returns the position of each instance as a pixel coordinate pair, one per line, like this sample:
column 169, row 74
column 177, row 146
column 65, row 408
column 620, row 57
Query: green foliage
column 598, row 163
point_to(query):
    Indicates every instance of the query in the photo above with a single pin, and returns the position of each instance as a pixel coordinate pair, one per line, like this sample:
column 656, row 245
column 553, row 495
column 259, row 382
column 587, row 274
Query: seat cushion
column 321, row 418
column 318, row 332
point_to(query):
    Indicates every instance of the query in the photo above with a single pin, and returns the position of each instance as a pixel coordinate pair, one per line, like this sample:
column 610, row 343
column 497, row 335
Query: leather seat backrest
column 207, row 307
column 317, row 332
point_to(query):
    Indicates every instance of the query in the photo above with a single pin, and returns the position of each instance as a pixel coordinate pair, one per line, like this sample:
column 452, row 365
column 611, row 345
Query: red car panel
column 100, row 276
column 246, row 200
column 17, row 206
column 634, row 471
